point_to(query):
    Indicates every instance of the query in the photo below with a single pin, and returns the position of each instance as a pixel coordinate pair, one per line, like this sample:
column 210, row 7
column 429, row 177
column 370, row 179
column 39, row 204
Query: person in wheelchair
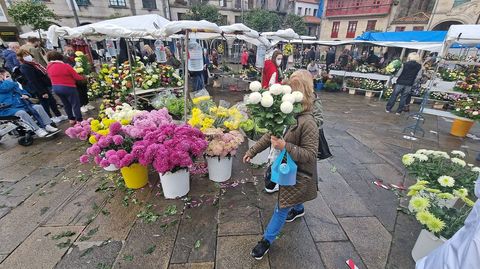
column 14, row 102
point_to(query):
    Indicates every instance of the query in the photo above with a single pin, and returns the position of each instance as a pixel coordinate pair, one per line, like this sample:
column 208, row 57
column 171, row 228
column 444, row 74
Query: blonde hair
column 148, row 49
column 302, row 81
column 413, row 56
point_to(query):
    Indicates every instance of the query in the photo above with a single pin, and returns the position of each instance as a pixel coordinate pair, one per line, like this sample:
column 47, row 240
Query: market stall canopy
column 461, row 36
column 43, row 34
column 243, row 32
column 208, row 29
column 282, row 35
column 428, row 46
column 131, row 26
column 406, row 36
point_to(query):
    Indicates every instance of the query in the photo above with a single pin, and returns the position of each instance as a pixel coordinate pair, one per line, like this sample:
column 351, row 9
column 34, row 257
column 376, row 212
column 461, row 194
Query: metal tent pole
column 130, row 62
column 185, row 75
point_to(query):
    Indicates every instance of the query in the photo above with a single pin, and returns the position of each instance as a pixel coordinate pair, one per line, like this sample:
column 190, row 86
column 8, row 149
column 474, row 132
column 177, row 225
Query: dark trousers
column 70, row 100
column 404, row 92
column 50, row 104
column 82, row 87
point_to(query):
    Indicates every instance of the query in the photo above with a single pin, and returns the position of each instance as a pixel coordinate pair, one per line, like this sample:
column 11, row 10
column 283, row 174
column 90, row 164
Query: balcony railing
column 354, row 8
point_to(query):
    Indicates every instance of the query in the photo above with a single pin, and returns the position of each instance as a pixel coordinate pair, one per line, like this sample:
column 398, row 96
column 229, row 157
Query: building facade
column 308, row 9
column 8, row 29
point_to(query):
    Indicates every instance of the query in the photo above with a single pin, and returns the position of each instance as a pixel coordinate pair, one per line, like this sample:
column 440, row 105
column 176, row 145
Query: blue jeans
column 402, row 90
column 277, row 221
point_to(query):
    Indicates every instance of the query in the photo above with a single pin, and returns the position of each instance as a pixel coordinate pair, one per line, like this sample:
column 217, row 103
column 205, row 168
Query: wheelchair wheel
column 26, row 140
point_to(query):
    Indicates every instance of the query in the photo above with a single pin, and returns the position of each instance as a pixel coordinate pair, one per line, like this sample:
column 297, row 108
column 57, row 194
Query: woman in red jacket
column 64, row 79
column 271, row 70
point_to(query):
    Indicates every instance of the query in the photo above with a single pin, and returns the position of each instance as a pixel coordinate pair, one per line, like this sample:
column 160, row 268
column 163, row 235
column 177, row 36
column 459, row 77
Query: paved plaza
column 57, row 213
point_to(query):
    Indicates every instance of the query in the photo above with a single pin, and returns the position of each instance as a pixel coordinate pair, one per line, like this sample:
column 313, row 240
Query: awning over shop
column 406, row 36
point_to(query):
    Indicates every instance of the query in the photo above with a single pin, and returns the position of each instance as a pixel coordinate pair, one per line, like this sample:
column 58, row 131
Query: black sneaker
column 271, row 187
column 294, row 214
column 260, row 249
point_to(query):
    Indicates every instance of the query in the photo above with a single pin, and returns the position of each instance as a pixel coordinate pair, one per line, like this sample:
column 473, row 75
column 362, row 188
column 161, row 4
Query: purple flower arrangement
column 146, row 122
column 170, row 148
column 221, row 144
column 81, row 130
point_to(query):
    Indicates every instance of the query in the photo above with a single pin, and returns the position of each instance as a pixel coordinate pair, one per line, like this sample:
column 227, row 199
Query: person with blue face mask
column 15, row 102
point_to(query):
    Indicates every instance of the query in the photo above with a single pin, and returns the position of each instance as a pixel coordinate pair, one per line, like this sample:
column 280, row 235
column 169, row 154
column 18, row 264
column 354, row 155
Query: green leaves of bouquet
column 274, row 109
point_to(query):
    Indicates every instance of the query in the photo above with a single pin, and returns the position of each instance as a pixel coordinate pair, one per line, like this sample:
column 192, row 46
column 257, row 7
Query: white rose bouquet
column 274, row 109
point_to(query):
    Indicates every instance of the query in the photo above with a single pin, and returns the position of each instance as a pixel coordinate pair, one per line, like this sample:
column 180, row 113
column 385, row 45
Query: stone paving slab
column 369, row 238
column 203, row 265
column 196, row 238
column 322, row 223
column 32, row 213
column 342, row 200
column 234, row 252
column 406, row 231
column 151, row 244
column 4, row 211
column 117, row 224
column 295, row 248
column 334, row 254
column 90, row 255
column 41, row 239
column 239, row 221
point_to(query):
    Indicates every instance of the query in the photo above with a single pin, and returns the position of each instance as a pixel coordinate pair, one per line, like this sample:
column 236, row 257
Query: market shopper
column 330, row 58
column 244, row 59
column 33, row 46
column 252, row 58
column 271, row 70
column 148, row 55
column 301, row 142
column 171, row 60
column 409, row 73
column 69, row 55
column 39, row 85
column 64, row 79
column 313, row 69
column 15, row 102
column 10, row 56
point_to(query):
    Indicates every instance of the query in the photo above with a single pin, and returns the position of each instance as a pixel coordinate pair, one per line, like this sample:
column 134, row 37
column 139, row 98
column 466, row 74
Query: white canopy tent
column 282, row 35
column 43, row 34
column 466, row 35
column 428, row 46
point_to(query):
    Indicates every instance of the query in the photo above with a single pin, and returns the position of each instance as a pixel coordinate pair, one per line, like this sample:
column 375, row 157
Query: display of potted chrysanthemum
column 171, row 149
column 222, row 146
column 442, row 180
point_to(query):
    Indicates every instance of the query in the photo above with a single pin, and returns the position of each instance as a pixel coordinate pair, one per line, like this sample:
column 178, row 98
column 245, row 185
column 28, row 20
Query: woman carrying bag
column 301, row 143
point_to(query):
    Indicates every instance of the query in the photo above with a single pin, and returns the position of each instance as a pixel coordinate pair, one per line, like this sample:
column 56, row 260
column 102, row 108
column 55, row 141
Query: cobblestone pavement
column 56, row 213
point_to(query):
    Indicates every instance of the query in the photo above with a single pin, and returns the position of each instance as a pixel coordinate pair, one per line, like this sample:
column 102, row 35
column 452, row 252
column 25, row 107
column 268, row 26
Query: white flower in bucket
column 276, row 89
column 266, row 93
column 298, row 96
column 255, row 86
column 286, row 107
column 286, row 89
column 254, row 98
column 267, row 101
column 288, row 98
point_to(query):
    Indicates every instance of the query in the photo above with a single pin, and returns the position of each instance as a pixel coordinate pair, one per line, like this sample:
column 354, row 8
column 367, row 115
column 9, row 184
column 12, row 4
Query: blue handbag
column 284, row 173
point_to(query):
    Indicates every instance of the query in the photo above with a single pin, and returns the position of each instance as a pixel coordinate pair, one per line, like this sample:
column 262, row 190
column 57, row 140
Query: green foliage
column 204, row 12
column 31, row 13
column 263, row 20
column 296, row 23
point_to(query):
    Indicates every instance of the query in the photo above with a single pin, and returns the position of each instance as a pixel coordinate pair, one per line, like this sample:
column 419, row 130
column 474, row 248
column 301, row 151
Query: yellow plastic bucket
column 135, row 176
column 460, row 127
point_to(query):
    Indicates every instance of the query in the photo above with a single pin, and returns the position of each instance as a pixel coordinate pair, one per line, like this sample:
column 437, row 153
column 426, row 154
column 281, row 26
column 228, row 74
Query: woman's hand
column 277, row 143
column 45, row 96
column 25, row 96
column 246, row 158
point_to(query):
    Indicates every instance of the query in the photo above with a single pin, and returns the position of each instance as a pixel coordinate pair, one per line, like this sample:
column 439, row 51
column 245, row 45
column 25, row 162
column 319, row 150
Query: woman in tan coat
column 301, row 142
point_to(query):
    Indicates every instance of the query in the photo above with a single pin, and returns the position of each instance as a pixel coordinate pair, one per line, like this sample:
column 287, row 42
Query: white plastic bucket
column 219, row 169
column 261, row 157
column 176, row 184
column 111, row 168
column 426, row 243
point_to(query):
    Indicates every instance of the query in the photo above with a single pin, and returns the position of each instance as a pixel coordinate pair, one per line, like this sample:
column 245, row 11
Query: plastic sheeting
column 178, row 27
column 461, row 36
column 34, row 34
column 462, row 251
column 282, row 35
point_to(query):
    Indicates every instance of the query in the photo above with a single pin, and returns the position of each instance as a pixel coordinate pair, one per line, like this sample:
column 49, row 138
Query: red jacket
column 244, row 59
column 268, row 70
column 62, row 74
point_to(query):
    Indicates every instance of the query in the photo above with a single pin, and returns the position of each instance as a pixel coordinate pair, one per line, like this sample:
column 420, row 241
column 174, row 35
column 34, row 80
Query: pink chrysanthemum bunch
column 147, row 121
column 81, row 130
column 222, row 144
column 170, row 148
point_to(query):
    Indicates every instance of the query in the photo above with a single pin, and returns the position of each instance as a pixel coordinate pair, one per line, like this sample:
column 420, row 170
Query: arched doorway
column 444, row 26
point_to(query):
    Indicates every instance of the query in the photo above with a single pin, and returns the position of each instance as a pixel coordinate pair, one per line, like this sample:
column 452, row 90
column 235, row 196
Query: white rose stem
column 275, row 152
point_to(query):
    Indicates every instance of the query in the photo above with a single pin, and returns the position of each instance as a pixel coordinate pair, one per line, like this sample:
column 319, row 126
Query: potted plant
column 171, row 150
column 442, row 179
column 222, row 146
column 469, row 110
column 253, row 134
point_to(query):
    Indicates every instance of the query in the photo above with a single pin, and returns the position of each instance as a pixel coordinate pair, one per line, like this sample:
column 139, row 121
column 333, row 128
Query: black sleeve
column 36, row 81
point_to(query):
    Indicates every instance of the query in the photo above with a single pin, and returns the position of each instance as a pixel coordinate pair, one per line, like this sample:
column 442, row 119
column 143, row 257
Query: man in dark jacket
column 10, row 56
column 330, row 58
column 408, row 75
